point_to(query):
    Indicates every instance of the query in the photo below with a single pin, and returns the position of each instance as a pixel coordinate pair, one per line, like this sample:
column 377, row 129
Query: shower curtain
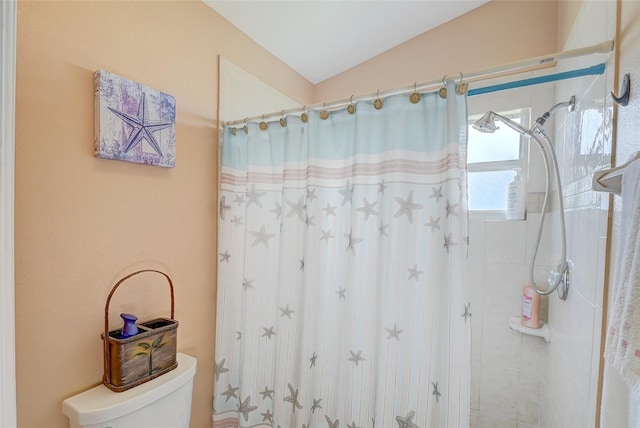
column 341, row 273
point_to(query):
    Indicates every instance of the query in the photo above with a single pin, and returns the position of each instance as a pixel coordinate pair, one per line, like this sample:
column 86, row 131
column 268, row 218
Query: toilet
column 162, row 402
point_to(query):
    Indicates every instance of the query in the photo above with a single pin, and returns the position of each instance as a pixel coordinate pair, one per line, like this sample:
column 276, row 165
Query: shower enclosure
column 519, row 379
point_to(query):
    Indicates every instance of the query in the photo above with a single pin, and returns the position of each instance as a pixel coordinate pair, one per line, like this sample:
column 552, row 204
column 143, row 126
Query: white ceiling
column 320, row 39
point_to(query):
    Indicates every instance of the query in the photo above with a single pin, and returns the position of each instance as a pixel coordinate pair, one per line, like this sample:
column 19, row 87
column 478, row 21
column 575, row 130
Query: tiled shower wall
column 583, row 141
column 519, row 380
column 507, row 367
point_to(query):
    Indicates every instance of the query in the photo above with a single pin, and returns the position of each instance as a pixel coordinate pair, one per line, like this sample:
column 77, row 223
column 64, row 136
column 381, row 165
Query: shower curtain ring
column 461, row 87
column 324, row 114
column 378, row 102
column 415, row 97
column 263, row 124
column 443, row 90
column 283, row 121
column 351, row 108
column 245, row 127
column 304, row 117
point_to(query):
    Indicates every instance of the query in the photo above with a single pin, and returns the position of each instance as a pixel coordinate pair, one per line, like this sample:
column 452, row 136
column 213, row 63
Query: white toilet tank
column 164, row 402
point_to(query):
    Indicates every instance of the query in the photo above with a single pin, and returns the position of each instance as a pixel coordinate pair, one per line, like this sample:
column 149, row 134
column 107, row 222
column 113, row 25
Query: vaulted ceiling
column 320, row 39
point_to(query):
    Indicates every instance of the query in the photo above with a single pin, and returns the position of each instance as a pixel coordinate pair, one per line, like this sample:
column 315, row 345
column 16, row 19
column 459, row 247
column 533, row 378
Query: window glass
column 493, row 160
column 488, row 190
column 502, row 145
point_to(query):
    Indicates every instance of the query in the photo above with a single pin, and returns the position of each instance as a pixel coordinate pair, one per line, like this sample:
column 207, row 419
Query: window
column 493, row 161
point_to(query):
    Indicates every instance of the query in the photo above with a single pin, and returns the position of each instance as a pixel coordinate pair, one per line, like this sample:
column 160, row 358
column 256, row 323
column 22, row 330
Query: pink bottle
column 530, row 307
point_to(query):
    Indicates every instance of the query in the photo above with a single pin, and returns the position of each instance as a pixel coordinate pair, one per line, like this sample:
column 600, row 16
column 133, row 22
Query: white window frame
column 520, row 164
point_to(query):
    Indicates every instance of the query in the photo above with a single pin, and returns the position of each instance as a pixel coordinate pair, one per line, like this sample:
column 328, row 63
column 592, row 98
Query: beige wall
column 82, row 222
column 496, row 33
column 567, row 14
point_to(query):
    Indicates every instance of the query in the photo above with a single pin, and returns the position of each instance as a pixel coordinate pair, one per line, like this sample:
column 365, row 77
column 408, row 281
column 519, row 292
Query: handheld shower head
column 486, row 123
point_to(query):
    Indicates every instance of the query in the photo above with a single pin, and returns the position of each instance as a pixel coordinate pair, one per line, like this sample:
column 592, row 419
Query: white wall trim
column 8, row 21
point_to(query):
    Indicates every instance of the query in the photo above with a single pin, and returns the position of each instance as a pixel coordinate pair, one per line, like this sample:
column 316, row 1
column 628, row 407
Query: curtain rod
column 513, row 68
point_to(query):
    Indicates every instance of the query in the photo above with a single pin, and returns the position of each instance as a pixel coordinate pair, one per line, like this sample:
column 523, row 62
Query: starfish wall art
column 133, row 122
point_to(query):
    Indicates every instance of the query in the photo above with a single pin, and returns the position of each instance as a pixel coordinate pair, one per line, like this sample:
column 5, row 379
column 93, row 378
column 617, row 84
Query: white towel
column 623, row 330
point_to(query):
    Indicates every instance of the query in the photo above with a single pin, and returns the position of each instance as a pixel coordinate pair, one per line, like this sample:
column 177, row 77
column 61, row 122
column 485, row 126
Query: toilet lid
column 101, row 404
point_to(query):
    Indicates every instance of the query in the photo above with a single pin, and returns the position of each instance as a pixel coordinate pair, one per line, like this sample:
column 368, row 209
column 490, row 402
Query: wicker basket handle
column 113, row 290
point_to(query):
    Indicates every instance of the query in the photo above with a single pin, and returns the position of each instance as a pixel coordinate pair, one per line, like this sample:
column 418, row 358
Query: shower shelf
column 544, row 331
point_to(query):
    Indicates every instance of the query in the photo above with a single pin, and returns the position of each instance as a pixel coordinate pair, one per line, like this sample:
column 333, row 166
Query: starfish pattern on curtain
column 341, row 271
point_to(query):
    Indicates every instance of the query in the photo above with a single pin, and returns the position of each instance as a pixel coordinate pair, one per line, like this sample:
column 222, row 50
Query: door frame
column 8, row 22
